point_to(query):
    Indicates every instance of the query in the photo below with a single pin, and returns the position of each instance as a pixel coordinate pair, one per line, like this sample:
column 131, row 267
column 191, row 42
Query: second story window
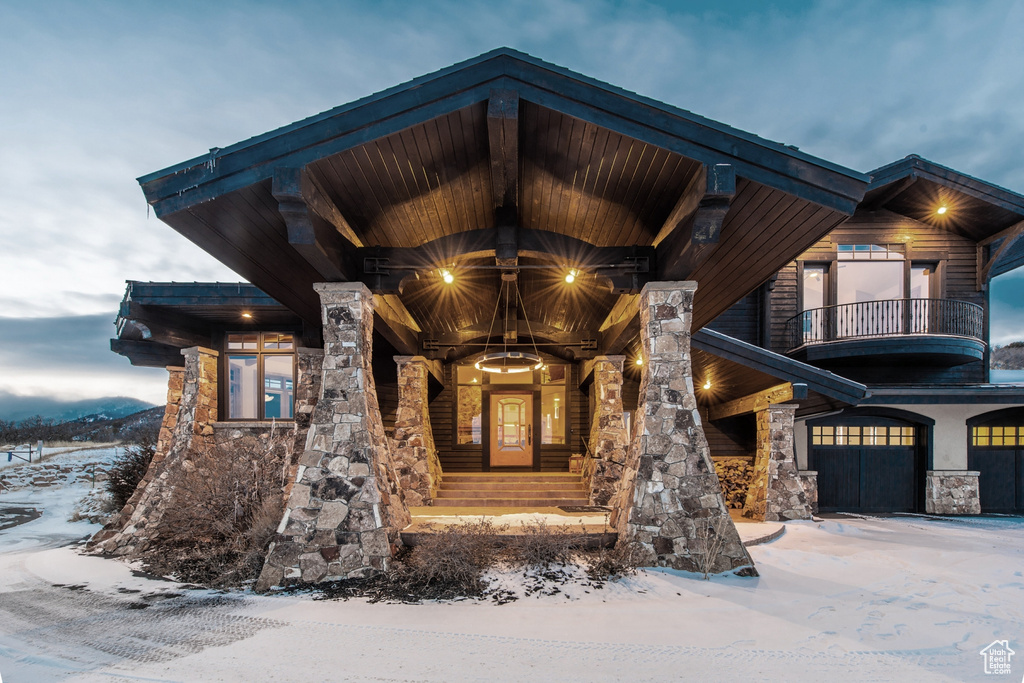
column 260, row 370
column 868, row 272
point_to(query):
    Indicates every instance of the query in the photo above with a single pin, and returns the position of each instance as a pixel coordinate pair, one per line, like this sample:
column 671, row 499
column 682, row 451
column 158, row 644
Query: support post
column 419, row 469
column 669, row 500
column 776, row 492
column 608, row 437
column 187, row 427
column 345, row 509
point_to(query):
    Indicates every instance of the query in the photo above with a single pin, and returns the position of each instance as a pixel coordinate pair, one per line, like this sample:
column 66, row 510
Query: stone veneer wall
column 809, row 480
column 193, row 431
column 419, row 469
column 608, row 438
column 952, row 492
column 345, row 509
column 669, row 490
column 775, row 492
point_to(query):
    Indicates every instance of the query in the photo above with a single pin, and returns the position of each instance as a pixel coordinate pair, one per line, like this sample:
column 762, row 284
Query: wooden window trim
column 223, row 379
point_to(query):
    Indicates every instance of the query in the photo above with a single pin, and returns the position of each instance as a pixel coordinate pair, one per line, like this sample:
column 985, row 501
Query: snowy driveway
column 906, row 599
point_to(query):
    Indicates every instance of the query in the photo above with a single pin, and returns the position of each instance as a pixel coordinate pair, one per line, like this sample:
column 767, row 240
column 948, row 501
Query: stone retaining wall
column 809, row 480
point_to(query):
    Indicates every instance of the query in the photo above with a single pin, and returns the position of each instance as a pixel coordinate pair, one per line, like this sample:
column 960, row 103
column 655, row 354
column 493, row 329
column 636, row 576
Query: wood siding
column 956, row 255
column 743, row 320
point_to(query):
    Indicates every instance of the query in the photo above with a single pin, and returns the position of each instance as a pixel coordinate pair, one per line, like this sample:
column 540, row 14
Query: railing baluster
column 885, row 318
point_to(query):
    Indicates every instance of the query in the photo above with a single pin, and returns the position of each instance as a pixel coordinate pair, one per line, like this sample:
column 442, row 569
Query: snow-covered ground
column 897, row 599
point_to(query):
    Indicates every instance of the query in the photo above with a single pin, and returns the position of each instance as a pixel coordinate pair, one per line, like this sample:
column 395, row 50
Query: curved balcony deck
column 909, row 331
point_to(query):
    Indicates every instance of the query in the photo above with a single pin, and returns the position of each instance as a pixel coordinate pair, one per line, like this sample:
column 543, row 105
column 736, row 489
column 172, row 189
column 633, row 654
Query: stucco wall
column 949, row 438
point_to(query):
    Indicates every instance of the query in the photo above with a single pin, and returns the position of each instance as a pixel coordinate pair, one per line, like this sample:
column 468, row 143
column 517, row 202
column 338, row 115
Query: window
column 470, row 403
column 840, row 435
column 553, row 411
column 260, row 376
column 997, row 436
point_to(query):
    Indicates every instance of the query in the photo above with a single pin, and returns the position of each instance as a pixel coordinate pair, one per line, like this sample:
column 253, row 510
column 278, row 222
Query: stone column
column 192, row 430
column 608, row 438
column 952, row 492
column 419, row 469
column 809, row 480
column 775, row 492
column 345, row 509
column 669, row 501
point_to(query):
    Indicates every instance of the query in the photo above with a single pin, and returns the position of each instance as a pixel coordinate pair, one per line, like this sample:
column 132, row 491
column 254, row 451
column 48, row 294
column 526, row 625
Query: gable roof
column 414, row 166
column 916, row 187
column 402, row 106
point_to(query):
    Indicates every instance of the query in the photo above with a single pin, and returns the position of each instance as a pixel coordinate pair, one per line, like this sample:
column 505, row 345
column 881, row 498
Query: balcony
column 907, row 331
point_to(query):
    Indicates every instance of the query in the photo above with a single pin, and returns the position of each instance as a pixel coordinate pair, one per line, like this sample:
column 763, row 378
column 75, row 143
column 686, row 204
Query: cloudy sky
column 95, row 94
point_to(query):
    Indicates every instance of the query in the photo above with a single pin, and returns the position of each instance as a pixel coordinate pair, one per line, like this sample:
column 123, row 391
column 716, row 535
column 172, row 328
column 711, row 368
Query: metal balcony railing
column 885, row 318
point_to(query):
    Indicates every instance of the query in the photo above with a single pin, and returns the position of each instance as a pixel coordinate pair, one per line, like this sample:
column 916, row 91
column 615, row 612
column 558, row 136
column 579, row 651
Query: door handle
column 529, row 435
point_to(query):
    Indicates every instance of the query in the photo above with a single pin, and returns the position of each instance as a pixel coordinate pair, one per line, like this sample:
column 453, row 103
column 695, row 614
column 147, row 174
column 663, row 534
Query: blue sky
column 95, row 94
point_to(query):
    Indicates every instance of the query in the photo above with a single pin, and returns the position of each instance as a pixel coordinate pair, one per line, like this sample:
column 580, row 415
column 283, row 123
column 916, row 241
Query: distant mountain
column 16, row 408
column 1009, row 357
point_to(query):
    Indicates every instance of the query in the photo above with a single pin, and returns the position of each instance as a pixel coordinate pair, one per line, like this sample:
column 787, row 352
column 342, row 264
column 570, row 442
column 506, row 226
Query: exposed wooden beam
column 314, row 237
column 544, row 334
column 148, row 353
column 394, row 322
column 695, row 225
column 503, row 139
column 988, row 258
column 624, row 269
column 618, row 327
column 753, row 403
column 165, row 326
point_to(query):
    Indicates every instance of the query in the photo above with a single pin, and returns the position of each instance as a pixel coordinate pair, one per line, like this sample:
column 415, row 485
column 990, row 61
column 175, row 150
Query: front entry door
column 511, row 429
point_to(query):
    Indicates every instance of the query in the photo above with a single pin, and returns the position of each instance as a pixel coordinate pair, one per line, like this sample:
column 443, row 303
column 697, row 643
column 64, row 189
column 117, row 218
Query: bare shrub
column 710, row 537
column 128, row 470
column 221, row 516
column 540, row 546
column 449, row 562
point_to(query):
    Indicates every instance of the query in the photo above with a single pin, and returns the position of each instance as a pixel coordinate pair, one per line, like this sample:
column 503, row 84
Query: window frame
column 224, row 379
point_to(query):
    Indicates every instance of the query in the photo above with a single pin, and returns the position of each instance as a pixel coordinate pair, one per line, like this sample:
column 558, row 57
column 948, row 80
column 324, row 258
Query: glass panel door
column 511, row 429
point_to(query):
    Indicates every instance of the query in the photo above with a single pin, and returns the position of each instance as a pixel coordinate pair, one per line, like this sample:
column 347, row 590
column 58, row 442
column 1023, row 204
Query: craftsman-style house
column 495, row 270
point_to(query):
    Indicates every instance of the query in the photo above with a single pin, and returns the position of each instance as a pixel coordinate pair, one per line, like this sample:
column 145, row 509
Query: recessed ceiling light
column 447, row 276
column 247, row 315
column 941, row 210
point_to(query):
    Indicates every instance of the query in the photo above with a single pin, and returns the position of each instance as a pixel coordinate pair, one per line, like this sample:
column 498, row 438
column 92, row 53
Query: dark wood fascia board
column 197, row 293
column 1009, row 259
column 925, row 395
column 820, row 381
column 773, row 164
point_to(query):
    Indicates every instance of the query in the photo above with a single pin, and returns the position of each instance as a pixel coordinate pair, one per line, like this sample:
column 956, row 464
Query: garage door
column 997, row 452
column 866, row 464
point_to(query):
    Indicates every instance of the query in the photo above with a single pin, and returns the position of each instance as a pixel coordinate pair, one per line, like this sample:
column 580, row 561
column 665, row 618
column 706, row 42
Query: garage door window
column 840, row 435
column 997, row 436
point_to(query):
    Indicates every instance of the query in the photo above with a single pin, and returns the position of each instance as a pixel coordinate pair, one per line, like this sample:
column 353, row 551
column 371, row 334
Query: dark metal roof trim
column 821, row 381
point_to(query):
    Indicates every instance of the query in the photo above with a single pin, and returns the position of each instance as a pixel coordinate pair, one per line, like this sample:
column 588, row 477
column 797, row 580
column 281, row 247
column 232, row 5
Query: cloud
column 70, row 358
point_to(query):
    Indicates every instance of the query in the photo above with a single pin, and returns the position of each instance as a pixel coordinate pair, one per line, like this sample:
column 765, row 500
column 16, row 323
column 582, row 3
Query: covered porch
column 503, row 204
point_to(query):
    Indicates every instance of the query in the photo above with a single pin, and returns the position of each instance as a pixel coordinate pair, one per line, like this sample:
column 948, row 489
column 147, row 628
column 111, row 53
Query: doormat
column 584, row 508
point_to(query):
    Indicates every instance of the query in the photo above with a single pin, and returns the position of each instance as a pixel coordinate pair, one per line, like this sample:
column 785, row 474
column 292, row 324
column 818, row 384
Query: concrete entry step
column 508, row 502
column 510, row 485
column 508, row 489
column 510, row 477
